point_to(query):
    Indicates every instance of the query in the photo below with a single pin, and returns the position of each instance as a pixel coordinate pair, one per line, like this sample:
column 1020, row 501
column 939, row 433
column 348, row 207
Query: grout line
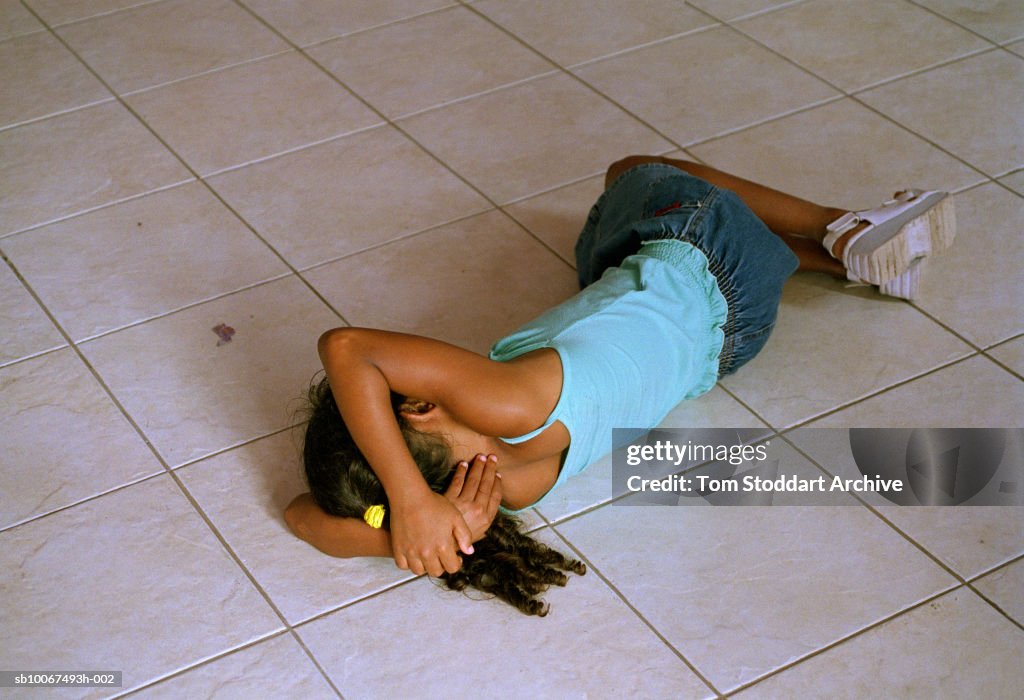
column 400, row 239
column 292, row 150
column 996, row 567
column 754, row 13
column 203, row 73
column 974, row 53
column 196, row 176
column 119, row 487
column 288, row 151
column 1002, row 365
column 58, row 113
column 998, row 608
column 404, row 116
column 849, row 95
column 173, row 475
column 321, row 42
column 995, row 346
column 499, row 208
column 176, row 479
column 715, row 24
column 953, row 21
column 575, row 181
column 874, row 510
column 399, row 128
column 842, row 640
column 147, row 477
column 387, row 588
column 99, row 207
column 185, row 307
column 106, row 13
column 591, row 567
column 1004, row 341
column 803, row 422
column 991, row 570
column 182, row 671
column 34, row 354
column 809, row 107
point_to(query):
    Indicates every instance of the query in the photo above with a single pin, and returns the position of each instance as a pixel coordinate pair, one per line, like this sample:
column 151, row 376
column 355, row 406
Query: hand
column 426, row 534
column 476, row 492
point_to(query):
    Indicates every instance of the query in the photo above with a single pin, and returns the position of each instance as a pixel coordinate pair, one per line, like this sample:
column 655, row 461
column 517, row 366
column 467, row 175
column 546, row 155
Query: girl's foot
column 878, row 245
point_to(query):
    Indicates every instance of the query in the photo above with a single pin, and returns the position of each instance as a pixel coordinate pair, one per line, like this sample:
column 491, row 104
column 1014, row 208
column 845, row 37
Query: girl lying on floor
column 413, row 444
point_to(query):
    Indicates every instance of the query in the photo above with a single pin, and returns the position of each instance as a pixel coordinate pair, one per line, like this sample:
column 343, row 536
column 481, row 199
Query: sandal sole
column 926, row 228
column 905, row 285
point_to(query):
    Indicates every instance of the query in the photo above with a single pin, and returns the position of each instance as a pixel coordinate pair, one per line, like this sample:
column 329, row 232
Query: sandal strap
column 838, row 227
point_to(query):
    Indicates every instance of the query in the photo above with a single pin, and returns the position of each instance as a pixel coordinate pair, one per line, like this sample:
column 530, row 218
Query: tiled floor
column 167, row 166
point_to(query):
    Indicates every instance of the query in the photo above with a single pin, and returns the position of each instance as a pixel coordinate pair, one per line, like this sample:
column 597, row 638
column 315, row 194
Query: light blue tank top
column 644, row 337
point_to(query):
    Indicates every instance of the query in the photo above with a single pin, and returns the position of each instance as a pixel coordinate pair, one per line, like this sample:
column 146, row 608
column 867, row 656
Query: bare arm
column 475, row 491
column 338, row 537
column 364, row 366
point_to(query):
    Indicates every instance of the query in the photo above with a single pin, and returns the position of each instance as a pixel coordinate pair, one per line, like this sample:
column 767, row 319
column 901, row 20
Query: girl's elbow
column 293, row 519
column 338, row 341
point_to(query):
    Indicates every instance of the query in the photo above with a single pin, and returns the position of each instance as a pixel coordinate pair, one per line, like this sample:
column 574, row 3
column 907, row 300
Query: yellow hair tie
column 374, row 516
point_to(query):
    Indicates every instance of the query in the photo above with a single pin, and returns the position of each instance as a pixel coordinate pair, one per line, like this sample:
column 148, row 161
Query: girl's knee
column 623, row 164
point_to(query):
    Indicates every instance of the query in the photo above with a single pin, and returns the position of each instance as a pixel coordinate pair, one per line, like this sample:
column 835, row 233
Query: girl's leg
column 799, row 223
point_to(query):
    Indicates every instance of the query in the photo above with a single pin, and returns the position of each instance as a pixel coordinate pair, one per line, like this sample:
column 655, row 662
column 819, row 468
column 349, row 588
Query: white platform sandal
column 911, row 226
column 905, row 285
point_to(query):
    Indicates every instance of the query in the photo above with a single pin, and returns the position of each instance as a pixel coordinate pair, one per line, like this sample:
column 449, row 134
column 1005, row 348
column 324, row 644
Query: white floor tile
column 741, row 591
column 832, row 346
column 503, row 144
column 24, row 327
column 969, row 539
column 970, row 108
column 705, row 84
column 954, row 646
column 244, row 492
column 278, row 665
column 438, row 57
column 350, row 194
column 840, row 154
column 985, row 307
column 141, row 258
column 573, row 31
column 590, row 644
column 64, row 439
column 855, row 44
column 79, row 161
column 133, row 581
column 249, row 112
column 154, row 43
column 217, row 374
column 461, row 223
column 507, row 275
column 1005, row 587
column 43, row 78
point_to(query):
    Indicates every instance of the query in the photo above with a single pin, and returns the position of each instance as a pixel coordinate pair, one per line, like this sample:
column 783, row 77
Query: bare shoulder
column 494, row 398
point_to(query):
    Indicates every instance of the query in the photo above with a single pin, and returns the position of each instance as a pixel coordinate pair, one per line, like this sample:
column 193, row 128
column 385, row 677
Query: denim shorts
column 655, row 201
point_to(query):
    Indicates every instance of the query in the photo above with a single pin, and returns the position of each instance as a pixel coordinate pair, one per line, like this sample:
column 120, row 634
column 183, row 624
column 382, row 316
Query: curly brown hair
column 506, row 562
